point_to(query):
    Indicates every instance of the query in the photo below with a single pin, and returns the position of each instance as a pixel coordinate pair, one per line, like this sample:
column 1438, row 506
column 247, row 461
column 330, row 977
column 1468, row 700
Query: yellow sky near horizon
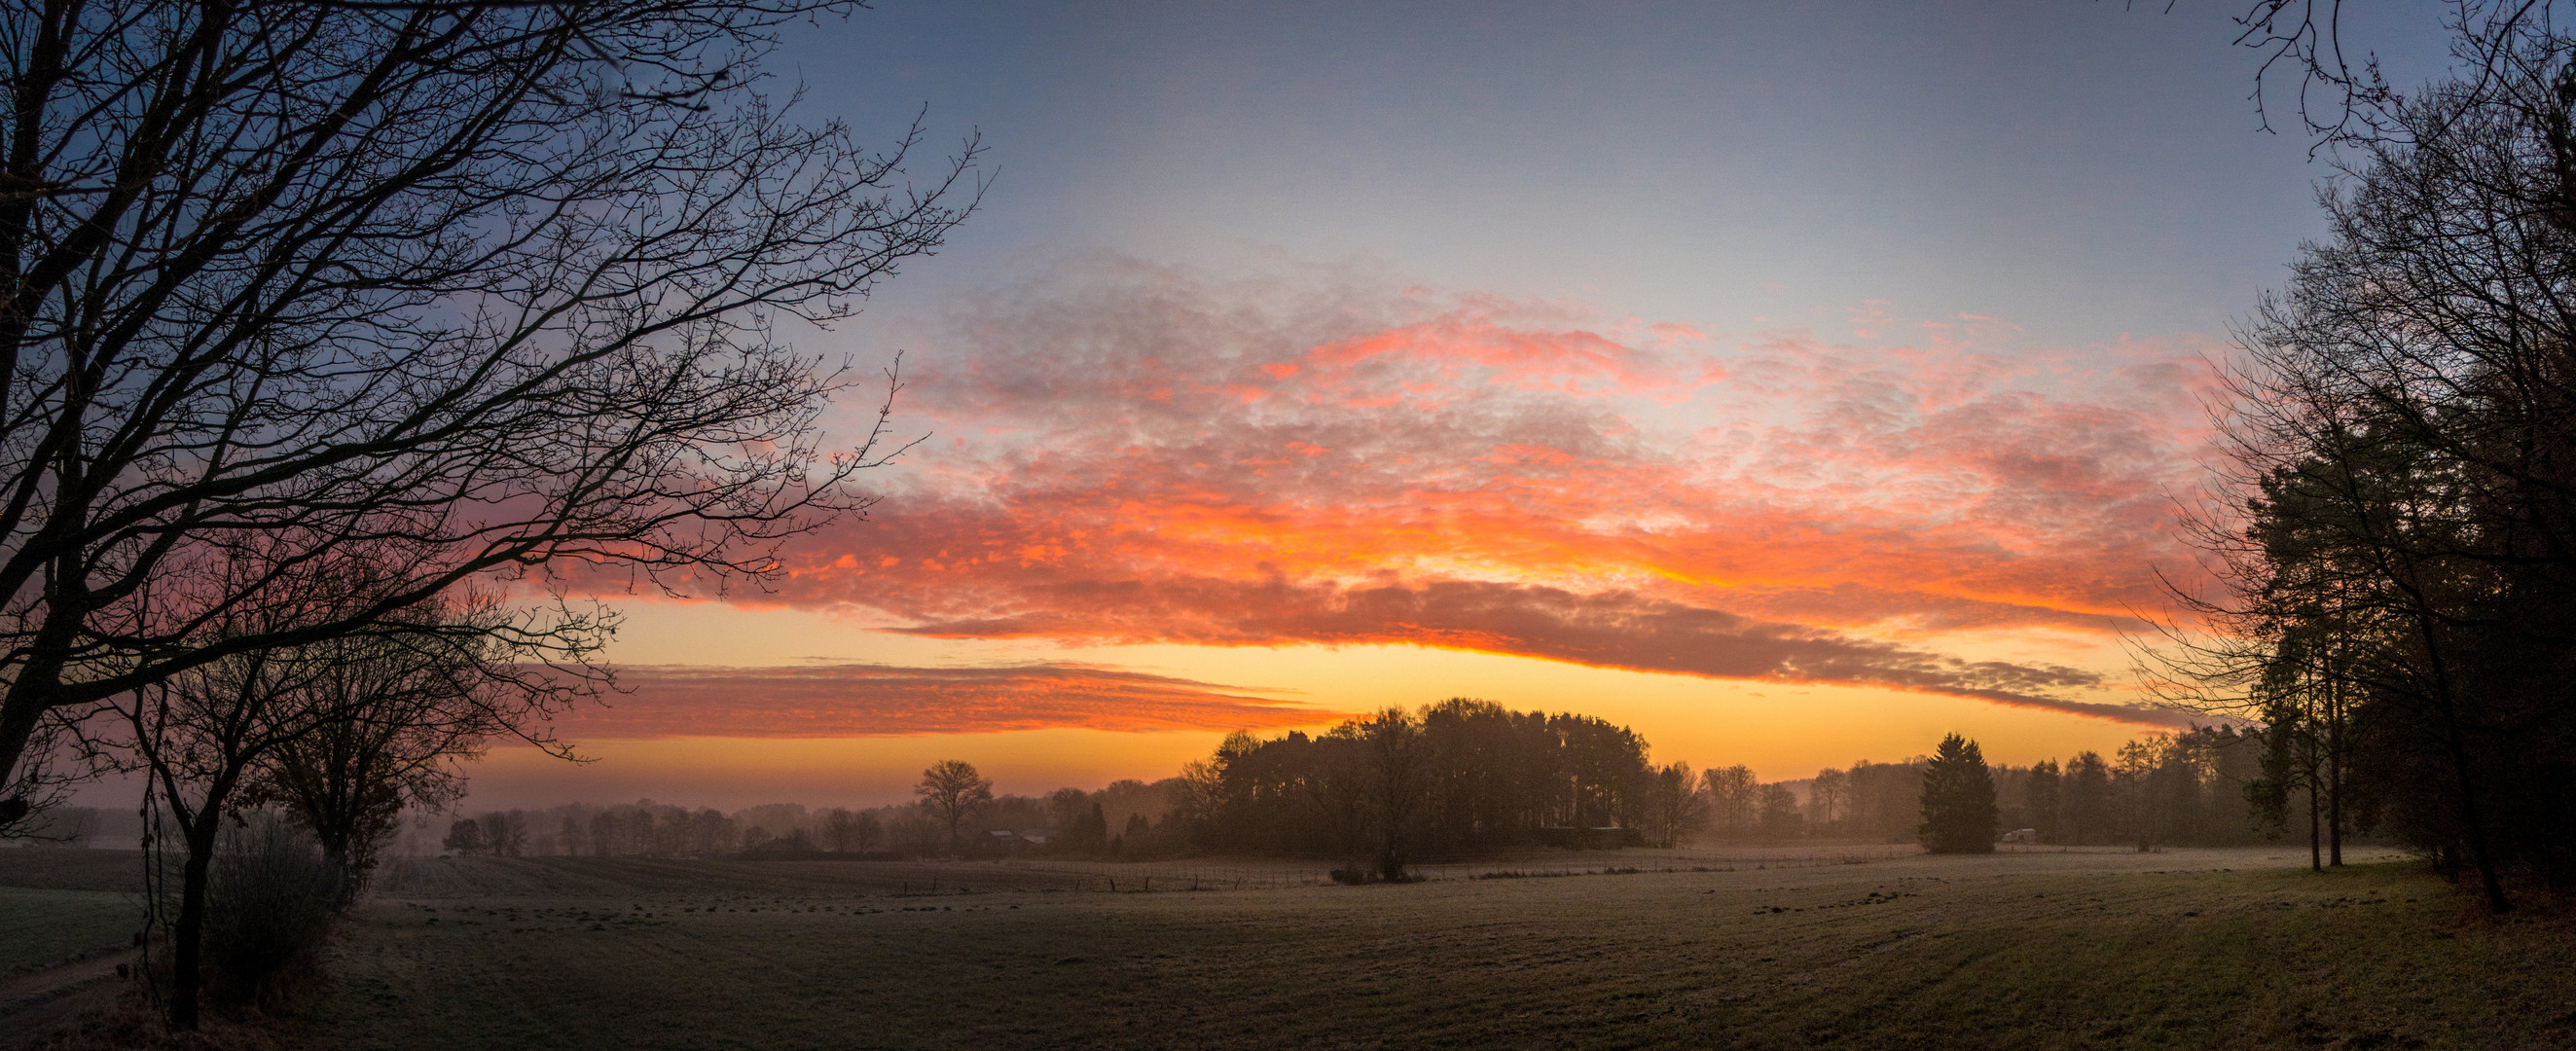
column 1784, row 731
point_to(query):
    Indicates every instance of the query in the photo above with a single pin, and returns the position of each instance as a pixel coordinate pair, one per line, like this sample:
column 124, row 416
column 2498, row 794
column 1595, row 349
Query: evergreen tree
column 1958, row 800
column 2085, row 791
column 2042, row 797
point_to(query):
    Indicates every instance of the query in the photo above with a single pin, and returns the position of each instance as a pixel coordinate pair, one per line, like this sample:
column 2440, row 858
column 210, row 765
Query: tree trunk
column 17, row 727
column 2335, row 745
column 187, row 934
column 2334, row 811
column 2314, row 861
column 2472, row 820
column 2472, row 817
column 335, row 855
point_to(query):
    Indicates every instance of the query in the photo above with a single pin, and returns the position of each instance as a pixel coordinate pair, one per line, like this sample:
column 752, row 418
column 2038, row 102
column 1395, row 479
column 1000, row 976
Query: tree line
column 2394, row 535
column 2203, row 787
column 1460, row 775
column 1481, row 778
column 1465, row 776
column 1125, row 819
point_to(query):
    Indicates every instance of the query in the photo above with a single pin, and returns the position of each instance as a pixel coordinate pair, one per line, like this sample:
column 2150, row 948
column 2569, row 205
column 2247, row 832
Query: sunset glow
column 1787, row 509
column 1204, row 449
column 1126, row 459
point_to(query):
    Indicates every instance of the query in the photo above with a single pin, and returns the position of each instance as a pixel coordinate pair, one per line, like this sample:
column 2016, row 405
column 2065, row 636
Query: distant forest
column 1468, row 776
column 1458, row 778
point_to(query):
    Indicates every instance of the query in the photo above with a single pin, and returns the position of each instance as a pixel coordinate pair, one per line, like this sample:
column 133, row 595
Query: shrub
column 270, row 900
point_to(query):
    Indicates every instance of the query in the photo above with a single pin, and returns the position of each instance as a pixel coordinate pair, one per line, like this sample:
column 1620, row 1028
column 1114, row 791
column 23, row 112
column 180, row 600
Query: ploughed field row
column 2181, row 949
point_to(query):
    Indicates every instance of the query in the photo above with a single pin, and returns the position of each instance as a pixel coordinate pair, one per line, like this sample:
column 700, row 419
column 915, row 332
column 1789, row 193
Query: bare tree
column 496, row 287
column 396, row 711
column 2398, row 537
column 506, row 832
column 1396, row 784
column 952, row 791
column 1674, row 804
column 1734, row 798
column 1829, row 799
column 207, row 737
column 198, row 738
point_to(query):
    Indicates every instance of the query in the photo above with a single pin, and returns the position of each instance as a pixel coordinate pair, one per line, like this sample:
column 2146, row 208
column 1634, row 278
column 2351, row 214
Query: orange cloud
column 1611, row 630
column 1154, row 459
column 874, row 700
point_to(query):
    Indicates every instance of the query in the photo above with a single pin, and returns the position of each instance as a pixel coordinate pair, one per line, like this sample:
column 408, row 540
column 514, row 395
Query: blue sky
column 2079, row 169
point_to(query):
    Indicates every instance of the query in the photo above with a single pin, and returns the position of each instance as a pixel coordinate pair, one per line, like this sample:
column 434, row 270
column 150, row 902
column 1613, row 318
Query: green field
column 40, row 928
column 2179, row 949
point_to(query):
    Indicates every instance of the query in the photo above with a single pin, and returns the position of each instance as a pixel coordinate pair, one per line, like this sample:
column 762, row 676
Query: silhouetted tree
column 1828, row 799
column 1674, row 804
column 951, row 791
column 841, row 830
column 1091, row 831
column 466, row 838
column 2398, row 528
column 505, row 832
column 397, row 709
column 2086, row 816
column 604, row 834
column 1734, row 800
column 489, row 287
column 1080, row 824
column 1397, row 764
column 1480, row 777
column 1064, row 810
column 1958, row 800
column 2043, row 799
column 1886, row 801
column 1780, row 817
column 204, row 738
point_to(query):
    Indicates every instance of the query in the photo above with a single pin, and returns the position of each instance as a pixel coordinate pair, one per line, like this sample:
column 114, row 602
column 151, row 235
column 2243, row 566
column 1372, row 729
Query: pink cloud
column 1147, row 457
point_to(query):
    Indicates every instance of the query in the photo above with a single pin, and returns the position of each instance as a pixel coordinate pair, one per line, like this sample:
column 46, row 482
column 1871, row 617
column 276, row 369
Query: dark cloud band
column 876, row 700
column 1616, row 629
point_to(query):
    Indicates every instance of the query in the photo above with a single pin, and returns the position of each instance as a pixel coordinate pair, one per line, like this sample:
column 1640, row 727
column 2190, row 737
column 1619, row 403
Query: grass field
column 50, row 868
column 2044, row 950
column 40, row 928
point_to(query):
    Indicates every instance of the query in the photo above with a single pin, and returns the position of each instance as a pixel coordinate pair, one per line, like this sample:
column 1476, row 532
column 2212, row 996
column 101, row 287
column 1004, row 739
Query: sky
column 1794, row 383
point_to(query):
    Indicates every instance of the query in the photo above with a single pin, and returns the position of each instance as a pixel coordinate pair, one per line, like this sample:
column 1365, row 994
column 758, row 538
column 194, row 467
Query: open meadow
column 62, row 905
column 2182, row 948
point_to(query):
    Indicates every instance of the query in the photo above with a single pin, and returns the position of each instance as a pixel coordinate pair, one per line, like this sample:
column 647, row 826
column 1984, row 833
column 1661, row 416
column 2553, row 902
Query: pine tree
column 1958, row 800
column 2042, row 794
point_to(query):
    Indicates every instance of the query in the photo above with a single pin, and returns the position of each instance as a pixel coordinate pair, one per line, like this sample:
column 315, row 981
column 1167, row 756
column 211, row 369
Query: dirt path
column 33, row 1005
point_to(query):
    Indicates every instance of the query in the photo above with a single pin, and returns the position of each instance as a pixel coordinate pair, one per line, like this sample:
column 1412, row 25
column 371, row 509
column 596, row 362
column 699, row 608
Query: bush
column 270, row 900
